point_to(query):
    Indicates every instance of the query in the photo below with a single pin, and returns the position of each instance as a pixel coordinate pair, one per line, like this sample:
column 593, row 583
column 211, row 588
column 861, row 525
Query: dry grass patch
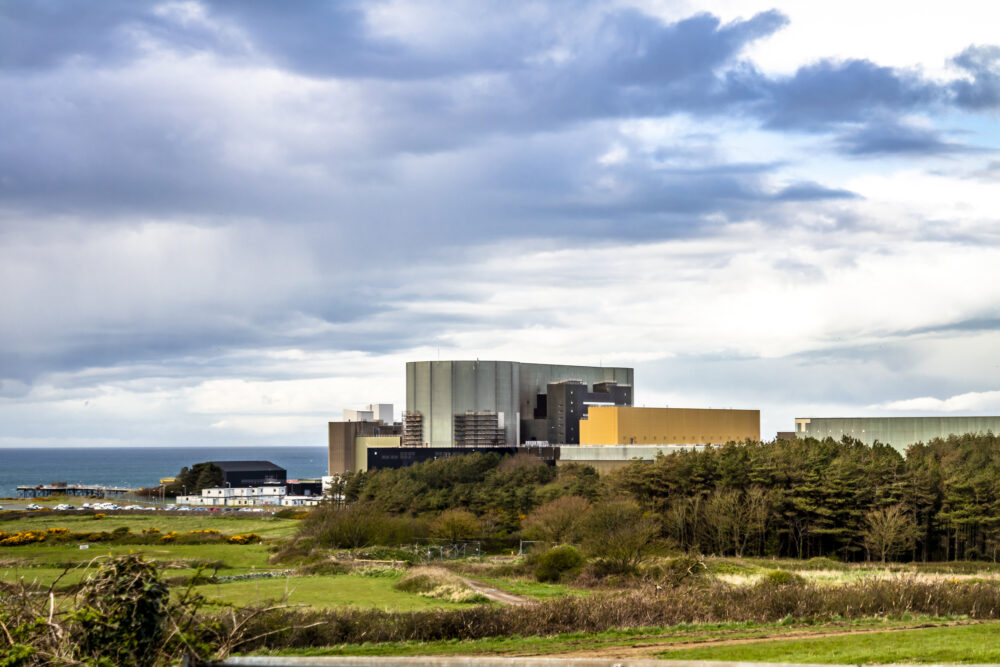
column 438, row 583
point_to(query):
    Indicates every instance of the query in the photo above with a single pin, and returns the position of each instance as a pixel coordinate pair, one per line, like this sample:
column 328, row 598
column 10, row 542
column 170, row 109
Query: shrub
column 456, row 525
column 620, row 534
column 436, row 582
column 22, row 538
column 455, row 593
column 423, row 579
column 685, row 570
column 557, row 520
column 355, row 526
column 378, row 571
column 324, row 567
column 387, row 553
column 122, row 613
column 245, row 538
column 99, row 515
column 782, row 578
column 551, row 565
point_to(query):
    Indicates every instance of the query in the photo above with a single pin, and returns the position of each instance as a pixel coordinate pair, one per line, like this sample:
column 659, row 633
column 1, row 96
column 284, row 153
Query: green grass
column 46, row 576
column 956, row 644
column 163, row 521
column 579, row 641
column 533, row 589
column 58, row 555
column 323, row 591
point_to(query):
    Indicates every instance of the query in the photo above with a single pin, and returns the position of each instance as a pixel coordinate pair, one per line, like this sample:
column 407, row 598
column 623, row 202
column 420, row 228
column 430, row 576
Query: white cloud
column 981, row 401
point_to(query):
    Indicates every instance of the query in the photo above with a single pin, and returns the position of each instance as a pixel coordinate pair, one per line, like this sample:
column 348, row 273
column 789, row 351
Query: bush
column 245, row 538
column 324, row 567
column 551, row 565
column 782, row 578
column 122, row 615
column 357, row 526
column 685, row 570
column 99, row 515
column 620, row 534
column 557, row 520
column 21, row 538
column 387, row 553
column 456, row 525
column 435, row 582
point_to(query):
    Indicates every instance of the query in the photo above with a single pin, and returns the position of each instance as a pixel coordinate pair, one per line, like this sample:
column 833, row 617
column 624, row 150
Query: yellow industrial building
column 619, row 425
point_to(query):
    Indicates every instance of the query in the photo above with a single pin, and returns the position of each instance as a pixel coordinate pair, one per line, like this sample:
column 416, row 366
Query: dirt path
column 646, row 650
column 496, row 594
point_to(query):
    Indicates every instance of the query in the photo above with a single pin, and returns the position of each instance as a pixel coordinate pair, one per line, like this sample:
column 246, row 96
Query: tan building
column 349, row 442
column 617, row 425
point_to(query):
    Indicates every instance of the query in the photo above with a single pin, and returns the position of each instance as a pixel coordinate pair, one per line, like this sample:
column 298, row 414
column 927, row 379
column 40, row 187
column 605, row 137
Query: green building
column 900, row 432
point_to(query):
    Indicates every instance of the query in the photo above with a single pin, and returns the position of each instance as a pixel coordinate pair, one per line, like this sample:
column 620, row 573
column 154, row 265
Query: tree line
column 788, row 498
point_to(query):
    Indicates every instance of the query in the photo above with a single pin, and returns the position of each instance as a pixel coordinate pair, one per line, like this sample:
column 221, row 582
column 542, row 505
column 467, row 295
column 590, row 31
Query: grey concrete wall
column 900, row 432
column 536, row 377
column 438, row 390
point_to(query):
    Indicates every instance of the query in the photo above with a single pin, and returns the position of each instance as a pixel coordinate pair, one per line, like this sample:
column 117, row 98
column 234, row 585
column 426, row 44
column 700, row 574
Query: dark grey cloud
column 115, row 146
column 808, row 191
column 832, row 92
column 413, row 151
column 982, row 64
column 896, row 138
column 43, row 34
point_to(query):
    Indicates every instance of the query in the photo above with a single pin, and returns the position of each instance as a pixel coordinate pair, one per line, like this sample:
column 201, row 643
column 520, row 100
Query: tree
column 456, row 525
column 620, row 533
column 557, row 520
column 888, row 531
column 192, row 480
column 350, row 526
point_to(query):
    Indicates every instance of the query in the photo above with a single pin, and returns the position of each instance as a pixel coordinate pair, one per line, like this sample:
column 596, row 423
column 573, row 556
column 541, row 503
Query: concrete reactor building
column 558, row 413
column 900, row 432
column 505, row 402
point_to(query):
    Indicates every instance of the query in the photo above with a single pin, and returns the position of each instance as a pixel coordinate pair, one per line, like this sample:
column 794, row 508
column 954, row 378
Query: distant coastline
column 142, row 467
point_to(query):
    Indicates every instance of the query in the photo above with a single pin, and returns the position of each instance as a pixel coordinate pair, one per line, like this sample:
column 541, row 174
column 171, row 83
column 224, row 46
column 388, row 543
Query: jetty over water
column 61, row 488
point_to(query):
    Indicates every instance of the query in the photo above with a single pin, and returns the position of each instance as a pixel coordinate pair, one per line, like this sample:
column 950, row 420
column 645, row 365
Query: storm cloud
column 207, row 197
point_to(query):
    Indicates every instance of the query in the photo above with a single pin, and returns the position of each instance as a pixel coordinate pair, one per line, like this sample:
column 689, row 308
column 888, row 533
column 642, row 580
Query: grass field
column 59, row 555
column 532, row 589
column 341, row 590
column 162, row 521
column 956, row 644
column 636, row 642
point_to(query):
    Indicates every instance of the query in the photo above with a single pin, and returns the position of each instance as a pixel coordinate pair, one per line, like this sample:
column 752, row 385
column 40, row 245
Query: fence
column 437, row 549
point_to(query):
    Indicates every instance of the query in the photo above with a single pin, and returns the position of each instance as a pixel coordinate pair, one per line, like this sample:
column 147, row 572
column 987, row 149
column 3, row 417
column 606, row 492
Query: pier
column 88, row 490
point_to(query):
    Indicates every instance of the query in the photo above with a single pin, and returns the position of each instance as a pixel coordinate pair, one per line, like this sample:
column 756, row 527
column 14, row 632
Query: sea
column 137, row 467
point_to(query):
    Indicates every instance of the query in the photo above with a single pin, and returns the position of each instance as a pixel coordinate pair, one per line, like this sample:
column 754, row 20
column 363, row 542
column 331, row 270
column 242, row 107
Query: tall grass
column 718, row 603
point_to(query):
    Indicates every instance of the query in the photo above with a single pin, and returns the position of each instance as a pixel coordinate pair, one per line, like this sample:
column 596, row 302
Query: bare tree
column 736, row 519
column 888, row 531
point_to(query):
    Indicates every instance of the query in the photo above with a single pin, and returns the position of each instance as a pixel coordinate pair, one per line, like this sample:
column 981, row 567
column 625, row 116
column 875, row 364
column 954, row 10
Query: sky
column 224, row 222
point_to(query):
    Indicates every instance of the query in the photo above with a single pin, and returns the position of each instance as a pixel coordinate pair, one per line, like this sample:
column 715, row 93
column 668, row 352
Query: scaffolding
column 478, row 429
column 413, row 429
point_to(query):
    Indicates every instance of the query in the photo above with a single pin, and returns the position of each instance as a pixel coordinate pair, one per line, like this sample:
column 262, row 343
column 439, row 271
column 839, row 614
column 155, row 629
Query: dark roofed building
column 251, row 473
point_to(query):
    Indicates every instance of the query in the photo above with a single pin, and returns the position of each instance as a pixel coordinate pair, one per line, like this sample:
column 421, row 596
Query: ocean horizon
column 143, row 466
